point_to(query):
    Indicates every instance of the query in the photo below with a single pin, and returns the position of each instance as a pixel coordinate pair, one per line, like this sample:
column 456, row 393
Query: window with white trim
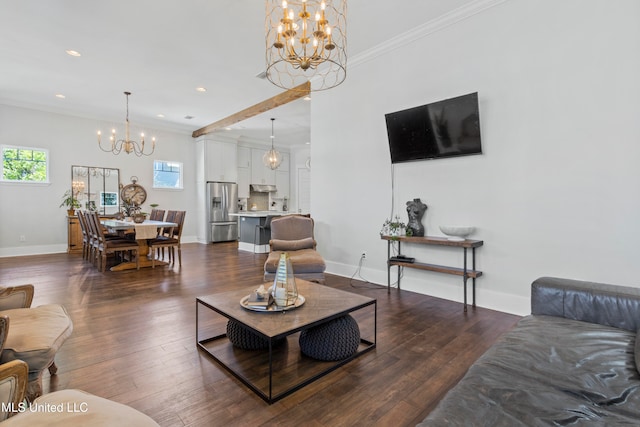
column 24, row 164
column 167, row 174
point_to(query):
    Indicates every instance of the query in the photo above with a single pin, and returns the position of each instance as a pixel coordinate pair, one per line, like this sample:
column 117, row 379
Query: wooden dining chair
column 92, row 234
column 171, row 217
column 157, row 215
column 86, row 235
column 105, row 246
column 169, row 240
column 92, row 222
column 165, row 231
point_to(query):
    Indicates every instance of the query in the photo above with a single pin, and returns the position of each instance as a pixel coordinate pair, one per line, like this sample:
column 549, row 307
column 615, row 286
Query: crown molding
column 424, row 30
column 149, row 124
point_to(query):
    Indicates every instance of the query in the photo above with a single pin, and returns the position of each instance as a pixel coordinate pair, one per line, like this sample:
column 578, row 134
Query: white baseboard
column 190, row 239
column 250, row 247
column 32, row 250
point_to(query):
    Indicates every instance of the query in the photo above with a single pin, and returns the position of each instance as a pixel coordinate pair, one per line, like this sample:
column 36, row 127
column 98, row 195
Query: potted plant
column 69, row 200
column 129, row 208
column 395, row 228
column 133, row 211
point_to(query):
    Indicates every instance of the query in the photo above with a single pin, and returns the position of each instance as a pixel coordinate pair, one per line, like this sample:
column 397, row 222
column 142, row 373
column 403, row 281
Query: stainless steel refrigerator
column 222, row 199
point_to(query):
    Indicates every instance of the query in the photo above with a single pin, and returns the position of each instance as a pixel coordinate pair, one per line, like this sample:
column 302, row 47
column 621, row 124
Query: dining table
column 143, row 232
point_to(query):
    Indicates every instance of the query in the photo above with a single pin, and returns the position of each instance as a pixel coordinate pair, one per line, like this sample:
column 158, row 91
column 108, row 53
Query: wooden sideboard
column 74, row 235
column 465, row 272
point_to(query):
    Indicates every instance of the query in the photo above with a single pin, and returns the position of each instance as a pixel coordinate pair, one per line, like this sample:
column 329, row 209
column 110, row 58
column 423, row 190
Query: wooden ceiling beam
column 264, row 106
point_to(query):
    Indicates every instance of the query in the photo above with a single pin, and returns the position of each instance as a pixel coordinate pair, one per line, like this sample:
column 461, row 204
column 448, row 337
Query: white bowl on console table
column 457, row 233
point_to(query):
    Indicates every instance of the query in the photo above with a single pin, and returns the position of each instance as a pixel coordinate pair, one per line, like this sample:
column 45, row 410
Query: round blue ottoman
column 334, row 340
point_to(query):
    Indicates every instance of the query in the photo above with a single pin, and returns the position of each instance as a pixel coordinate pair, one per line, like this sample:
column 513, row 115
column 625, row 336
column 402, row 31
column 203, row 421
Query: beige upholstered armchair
column 294, row 234
column 13, row 378
column 68, row 408
column 36, row 333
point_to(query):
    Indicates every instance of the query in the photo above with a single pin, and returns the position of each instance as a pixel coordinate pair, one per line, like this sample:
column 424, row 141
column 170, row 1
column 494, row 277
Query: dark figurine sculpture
column 416, row 210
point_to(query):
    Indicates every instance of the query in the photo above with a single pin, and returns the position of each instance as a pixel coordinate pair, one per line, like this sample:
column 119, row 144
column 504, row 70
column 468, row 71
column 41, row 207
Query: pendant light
column 127, row 144
column 306, row 41
column 272, row 158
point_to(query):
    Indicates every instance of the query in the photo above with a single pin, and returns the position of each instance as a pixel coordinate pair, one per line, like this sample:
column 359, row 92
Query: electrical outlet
column 364, row 255
column 23, row 238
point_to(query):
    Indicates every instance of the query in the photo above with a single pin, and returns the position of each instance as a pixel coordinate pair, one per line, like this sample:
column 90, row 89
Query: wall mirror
column 96, row 188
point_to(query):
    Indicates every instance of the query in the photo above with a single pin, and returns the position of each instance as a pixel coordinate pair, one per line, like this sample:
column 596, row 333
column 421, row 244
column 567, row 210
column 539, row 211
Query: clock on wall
column 134, row 192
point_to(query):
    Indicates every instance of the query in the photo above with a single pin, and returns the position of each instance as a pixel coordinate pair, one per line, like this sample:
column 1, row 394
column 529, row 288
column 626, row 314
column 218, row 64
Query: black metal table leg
column 388, row 266
column 464, row 279
column 399, row 267
column 473, row 281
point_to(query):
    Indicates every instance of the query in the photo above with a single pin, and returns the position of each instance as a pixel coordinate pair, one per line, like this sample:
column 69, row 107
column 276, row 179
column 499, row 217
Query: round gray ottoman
column 242, row 337
column 334, row 340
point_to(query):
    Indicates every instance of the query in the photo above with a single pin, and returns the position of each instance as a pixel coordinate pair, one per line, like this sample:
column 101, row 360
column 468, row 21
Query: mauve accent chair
column 294, row 234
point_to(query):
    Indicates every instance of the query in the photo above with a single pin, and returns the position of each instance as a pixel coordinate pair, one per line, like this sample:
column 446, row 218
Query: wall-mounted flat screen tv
column 442, row 129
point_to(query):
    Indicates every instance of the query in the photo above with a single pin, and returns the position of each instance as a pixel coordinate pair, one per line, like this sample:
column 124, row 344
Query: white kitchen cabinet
column 221, row 159
column 244, row 172
column 244, row 157
column 282, row 184
column 244, row 181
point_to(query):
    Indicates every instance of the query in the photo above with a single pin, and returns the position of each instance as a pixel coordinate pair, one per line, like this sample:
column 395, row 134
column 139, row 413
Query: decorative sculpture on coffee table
column 284, row 289
column 415, row 211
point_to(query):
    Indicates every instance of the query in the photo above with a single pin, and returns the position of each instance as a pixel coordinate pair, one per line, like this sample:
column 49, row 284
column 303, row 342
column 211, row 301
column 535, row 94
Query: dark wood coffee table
column 281, row 369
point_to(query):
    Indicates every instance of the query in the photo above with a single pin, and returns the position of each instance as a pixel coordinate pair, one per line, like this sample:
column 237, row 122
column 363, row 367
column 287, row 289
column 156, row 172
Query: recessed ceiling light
column 61, row 96
column 308, row 143
column 161, row 116
column 201, row 89
column 227, row 128
column 307, row 98
column 73, row 52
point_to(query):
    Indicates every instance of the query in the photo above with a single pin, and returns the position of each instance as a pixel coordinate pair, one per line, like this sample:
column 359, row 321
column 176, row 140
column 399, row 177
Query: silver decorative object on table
column 284, row 289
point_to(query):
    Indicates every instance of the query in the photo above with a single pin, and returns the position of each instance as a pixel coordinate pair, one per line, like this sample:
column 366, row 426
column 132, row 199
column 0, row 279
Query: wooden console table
column 438, row 241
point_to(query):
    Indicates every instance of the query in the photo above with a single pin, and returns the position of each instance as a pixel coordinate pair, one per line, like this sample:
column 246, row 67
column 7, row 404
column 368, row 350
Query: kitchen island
column 254, row 239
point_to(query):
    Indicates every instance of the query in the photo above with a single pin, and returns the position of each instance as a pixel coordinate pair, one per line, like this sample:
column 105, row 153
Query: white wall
column 556, row 190
column 32, row 210
column 299, row 156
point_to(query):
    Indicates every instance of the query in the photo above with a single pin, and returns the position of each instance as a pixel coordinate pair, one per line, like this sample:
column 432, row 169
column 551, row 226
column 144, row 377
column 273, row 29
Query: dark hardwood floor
column 134, row 342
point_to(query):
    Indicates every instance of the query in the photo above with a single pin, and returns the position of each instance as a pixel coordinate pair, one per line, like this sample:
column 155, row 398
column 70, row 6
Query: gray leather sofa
column 573, row 361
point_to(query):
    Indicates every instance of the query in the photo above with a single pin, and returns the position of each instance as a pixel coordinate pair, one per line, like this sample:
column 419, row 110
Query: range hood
column 261, row 188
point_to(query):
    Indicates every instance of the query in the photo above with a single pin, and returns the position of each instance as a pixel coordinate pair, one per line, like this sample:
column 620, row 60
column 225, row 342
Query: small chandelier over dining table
column 272, row 158
column 126, row 144
column 306, row 40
